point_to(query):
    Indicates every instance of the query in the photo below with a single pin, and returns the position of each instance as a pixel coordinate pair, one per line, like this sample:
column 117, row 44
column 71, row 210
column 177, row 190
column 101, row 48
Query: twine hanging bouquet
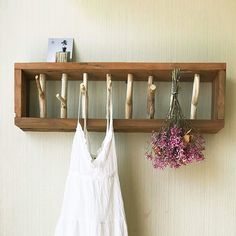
column 177, row 143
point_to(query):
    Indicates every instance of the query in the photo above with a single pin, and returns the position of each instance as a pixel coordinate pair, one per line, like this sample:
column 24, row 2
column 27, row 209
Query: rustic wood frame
column 209, row 72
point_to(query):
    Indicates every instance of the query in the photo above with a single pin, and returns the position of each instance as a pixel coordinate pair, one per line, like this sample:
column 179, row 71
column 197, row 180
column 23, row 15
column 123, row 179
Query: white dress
column 93, row 204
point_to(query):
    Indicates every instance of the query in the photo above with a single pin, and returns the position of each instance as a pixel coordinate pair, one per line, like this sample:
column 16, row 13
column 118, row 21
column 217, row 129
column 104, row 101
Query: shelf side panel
column 218, row 96
column 21, row 91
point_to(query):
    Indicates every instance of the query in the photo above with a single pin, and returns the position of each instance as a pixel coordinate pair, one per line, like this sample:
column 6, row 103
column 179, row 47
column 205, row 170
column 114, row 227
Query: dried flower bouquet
column 177, row 143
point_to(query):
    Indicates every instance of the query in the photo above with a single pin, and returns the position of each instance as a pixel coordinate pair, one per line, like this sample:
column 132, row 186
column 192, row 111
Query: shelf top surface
column 121, row 65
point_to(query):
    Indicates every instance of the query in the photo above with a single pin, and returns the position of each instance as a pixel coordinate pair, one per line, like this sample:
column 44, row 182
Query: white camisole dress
column 93, row 204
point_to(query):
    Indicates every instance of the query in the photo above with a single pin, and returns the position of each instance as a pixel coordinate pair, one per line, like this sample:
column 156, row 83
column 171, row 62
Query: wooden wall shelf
column 209, row 72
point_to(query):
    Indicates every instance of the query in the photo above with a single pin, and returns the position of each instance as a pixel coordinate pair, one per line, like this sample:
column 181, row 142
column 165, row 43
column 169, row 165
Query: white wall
column 197, row 200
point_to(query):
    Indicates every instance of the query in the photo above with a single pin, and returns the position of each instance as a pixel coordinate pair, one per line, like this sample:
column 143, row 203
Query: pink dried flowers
column 177, row 143
column 175, row 147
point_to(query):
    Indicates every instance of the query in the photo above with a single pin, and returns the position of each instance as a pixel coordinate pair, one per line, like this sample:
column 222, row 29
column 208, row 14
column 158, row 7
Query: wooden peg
column 85, row 95
column 63, row 97
column 82, row 88
column 151, row 89
column 109, row 82
column 195, row 96
column 129, row 98
column 41, row 86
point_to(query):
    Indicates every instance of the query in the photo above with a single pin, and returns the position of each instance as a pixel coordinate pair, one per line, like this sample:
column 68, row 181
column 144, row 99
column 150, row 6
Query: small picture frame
column 60, row 50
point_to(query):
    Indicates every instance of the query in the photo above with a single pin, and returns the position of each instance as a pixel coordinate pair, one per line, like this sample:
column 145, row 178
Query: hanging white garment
column 93, row 204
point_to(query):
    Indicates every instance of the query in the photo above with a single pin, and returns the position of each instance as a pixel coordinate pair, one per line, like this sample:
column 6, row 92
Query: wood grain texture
column 120, row 125
column 18, row 93
column 119, row 70
column 21, row 94
column 218, row 95
column 221, row 94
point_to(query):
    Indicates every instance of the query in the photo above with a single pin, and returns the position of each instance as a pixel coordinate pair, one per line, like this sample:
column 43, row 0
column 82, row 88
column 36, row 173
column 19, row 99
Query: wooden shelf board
column 99, row 125
column 119, row 70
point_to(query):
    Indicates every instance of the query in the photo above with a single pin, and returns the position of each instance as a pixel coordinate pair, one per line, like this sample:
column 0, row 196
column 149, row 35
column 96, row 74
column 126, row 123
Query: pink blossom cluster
column 174, row 147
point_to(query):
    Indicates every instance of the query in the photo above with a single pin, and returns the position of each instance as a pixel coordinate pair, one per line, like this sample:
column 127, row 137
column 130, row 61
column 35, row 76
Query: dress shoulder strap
column 82, row 107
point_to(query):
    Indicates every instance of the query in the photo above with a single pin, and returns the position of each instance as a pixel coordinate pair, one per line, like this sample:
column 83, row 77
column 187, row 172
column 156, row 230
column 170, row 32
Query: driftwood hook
column 63, row 96
column 41, row 86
